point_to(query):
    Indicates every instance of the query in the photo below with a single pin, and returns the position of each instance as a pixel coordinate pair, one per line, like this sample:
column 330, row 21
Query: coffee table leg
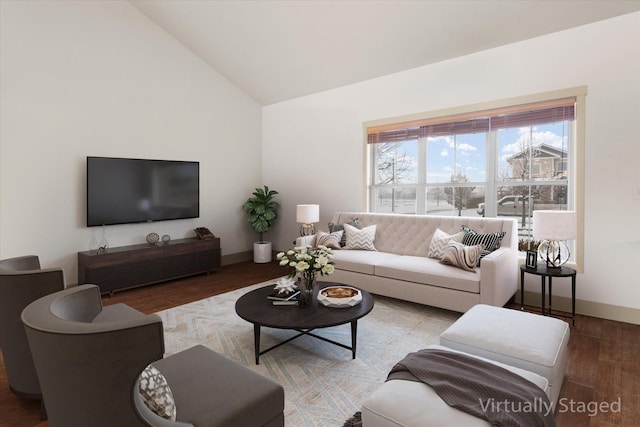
column 256, row 341
column 354, row 336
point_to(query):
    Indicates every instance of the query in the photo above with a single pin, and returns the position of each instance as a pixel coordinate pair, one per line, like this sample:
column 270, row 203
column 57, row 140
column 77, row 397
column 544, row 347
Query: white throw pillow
column 360, row 238
column 461, row 256
column 330, row 240
column 440, row 240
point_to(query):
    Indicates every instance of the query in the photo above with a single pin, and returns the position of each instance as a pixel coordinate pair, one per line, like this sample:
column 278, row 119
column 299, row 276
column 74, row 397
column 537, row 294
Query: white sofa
column 400, row 268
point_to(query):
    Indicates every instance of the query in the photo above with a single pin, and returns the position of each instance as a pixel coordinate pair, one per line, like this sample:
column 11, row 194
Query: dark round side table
column 549, row 272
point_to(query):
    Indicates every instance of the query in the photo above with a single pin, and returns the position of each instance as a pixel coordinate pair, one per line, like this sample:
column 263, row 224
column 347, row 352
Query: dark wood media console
column 138, row 265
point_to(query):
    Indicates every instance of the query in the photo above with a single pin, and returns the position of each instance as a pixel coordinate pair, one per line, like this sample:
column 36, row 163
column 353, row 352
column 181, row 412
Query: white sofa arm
column 306, row 240
column 498, row 276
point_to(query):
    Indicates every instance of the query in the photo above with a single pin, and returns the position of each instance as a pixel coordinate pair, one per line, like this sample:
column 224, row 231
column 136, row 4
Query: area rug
column 323, row 385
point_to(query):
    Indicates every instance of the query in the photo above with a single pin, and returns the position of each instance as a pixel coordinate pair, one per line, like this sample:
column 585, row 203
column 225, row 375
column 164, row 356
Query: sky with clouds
column 467, row 154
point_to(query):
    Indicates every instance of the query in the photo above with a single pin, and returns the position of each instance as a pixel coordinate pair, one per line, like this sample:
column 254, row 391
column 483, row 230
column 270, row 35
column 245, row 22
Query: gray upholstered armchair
column 89, row 360
column 22, row 281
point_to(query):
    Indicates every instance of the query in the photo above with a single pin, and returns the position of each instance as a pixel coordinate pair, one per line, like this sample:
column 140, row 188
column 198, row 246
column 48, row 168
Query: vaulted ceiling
column 276, row 50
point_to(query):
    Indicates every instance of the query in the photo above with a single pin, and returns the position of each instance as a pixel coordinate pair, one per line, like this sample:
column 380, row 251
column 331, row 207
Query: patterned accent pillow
column 360, row 239
column 337, row 227
column 330, row 240
column 440, row 240
column 491, row 241
column 461, row 256
column 156, row 393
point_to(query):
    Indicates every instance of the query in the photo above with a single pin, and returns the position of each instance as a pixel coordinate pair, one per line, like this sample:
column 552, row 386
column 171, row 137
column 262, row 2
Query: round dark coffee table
column 254, row 307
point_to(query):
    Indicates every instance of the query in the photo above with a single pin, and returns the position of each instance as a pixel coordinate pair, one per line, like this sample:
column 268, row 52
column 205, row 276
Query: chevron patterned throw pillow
column 338, row 227
column 360, row 238
column 440, row 240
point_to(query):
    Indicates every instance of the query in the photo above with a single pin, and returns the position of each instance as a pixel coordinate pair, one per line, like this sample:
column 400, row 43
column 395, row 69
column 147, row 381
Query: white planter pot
column 262, row 252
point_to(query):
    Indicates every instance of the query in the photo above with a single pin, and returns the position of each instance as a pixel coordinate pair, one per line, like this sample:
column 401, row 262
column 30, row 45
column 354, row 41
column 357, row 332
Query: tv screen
column 122, row 191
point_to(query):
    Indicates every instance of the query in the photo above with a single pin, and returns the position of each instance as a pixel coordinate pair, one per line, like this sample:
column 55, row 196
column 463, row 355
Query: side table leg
column 521, row 289
column 543, row 289
column 573, row 300
column 354, row 337
column 256, row 341
column 550, row 285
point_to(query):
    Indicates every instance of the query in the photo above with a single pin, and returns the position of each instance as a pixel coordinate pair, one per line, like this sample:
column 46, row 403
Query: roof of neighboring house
column 539, row 152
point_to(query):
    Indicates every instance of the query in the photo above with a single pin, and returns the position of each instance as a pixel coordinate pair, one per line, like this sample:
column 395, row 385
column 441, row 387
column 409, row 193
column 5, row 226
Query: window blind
column 476, row 122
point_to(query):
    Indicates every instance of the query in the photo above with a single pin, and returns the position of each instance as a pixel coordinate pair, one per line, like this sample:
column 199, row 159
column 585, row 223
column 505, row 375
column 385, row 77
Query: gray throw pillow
column 337, row 227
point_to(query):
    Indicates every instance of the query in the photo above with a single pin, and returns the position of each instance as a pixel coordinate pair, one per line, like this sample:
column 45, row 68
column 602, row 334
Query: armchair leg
column 32, row 396
column 43, row 411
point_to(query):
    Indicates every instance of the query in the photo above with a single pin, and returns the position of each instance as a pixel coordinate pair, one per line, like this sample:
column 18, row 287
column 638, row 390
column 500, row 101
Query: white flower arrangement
column 307, row 261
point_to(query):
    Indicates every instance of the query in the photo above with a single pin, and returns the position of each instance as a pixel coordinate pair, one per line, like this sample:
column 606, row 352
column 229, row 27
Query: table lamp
column 553, row 228
column 307, row 215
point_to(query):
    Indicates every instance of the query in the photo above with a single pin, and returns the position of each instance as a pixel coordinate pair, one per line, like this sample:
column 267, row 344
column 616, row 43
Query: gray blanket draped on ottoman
column 479, row 388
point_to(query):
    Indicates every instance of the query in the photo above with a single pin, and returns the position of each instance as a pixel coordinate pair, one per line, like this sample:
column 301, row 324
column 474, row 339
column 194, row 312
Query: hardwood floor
column 603, row 367
column 602, row 379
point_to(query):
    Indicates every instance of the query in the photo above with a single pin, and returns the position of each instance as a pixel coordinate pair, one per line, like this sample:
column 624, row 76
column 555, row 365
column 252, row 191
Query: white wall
column 98, row 78
column 319, row 138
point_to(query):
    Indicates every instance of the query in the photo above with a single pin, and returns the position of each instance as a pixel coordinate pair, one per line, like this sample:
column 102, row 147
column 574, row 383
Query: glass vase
column 306, row 284
column 103, row 244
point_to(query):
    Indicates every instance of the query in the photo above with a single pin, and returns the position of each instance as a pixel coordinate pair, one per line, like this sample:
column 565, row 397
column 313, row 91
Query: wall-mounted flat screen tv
column 123, row 191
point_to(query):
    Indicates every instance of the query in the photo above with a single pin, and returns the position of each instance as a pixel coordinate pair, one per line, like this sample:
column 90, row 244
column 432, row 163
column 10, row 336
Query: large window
column 501, row 161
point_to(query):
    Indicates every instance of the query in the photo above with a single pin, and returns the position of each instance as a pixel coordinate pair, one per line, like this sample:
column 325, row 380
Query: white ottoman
column 410, row 403
column 529, row 341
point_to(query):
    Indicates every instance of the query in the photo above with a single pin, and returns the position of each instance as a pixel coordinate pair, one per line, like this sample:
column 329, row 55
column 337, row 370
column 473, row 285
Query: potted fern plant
column 263, row 211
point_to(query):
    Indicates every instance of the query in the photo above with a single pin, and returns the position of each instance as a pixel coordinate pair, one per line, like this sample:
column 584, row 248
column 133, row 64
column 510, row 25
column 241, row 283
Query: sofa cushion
column 212, row 390
column 461, row 256
column 428, row 271
column 360, row 261
column 509, row 336
column 117, row 312
column 440, row 240
column 360, row 239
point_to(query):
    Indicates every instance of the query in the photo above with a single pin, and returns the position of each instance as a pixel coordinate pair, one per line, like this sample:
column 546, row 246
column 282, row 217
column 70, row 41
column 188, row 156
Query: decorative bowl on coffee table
column 339, row 296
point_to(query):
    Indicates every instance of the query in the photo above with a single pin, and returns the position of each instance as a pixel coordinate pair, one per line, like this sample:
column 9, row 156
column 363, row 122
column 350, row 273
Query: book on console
column 283, row 296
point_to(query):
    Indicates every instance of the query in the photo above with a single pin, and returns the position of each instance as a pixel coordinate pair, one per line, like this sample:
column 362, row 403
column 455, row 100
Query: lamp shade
column 554, row 225
column 307, row 214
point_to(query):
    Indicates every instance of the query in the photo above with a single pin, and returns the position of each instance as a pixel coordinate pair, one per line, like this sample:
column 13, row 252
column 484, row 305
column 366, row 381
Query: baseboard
column 237, row 257
column 587, row 308
column 241, row 257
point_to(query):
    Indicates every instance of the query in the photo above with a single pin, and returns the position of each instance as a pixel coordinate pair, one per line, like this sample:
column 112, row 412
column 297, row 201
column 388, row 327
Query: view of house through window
column 503, row 162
